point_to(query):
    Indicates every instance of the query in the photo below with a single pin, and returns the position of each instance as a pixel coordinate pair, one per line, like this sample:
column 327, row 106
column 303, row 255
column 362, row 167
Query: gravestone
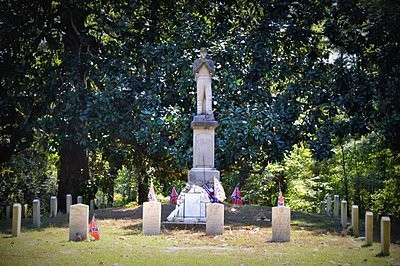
column 328, row 205
column 343, row 216
column 78, row 222
column 321, row 207
column 16, row 219
column 215, row 219
column 53, row 206
column 280, row 224
column 336, row 205
column 68, row 202
column 8, row 212
column 91, row 206
column 369, row 228
column 36, row 213
column 79, row 200
column 355, row 220
column 151, row 218
column 385, row 235
column 25, row 210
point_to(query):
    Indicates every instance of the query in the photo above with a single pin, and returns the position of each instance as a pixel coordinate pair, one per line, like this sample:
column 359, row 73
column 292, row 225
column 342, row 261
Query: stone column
column 53, row 206
column 79, row 200
column 280, row 224
column 68, row 202
column 215, row 219
column 336, row 205
column 8, row 212
column 151, row 218
column 78, row 222
column 16, row 219
column 355, row 220
column 385, row 236
column 343, row 217
column 329, row 205
column 36, row 213
column 369, row 228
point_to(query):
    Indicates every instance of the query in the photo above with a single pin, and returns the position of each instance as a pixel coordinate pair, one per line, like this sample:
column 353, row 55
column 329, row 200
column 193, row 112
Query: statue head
column 203, row 52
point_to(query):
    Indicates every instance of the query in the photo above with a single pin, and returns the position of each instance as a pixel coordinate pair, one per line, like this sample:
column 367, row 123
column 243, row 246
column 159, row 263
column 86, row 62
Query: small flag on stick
column 281, row 201
column 94, row 229
column 174, row 196
column 236, row 198
column 219, row 192
column 152, row 193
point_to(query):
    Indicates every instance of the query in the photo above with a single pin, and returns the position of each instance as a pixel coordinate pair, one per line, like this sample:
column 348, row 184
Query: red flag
column 174, row 196
column 236, row 198
column 94, row 229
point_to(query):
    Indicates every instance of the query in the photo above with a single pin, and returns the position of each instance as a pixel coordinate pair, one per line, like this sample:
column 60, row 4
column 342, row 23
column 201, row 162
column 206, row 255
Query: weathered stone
column 78, row 222
column 329, row 205
column 8, row 212
column 385, row 235
column 25, row 210
column 16, row 219
column 68, row 202
column 343, row 217
column 36, row 213
column 336, row 205
column 322, row 207
column 91, row 206
column 151, row 218
column 79, row 200
column 355, row 220
column 215, row 219
column 280, row 224
column 369, row 228
column 53, row 206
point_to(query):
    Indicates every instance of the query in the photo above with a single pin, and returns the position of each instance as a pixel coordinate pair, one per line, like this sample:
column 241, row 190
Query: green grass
column 315, row 240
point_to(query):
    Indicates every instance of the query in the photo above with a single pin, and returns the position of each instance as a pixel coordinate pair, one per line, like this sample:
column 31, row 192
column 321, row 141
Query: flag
column 236, row 198
column 94, row 229
column 219, row 192
column 152, row 193
column 174, row 196
column 281, row 201
column 209, row 192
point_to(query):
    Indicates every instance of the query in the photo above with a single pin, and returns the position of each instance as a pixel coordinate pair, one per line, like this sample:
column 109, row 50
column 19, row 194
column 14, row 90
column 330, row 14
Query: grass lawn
column 315, row 240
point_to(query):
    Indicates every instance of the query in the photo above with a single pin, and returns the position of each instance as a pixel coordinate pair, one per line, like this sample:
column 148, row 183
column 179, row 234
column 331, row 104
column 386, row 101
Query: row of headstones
column 152, row 218
column 53, row 206
column 369, row 226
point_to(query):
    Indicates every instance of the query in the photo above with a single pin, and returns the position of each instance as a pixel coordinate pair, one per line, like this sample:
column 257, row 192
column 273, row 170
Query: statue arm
column 210, row 66
column 196, row 66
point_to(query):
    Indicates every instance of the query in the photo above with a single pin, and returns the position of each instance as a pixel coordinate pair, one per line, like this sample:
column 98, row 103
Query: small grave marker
column 36, row 213
column 151, row 218
column 78, row 222
column 215, row 219
column 280, row 224
column 16, row 219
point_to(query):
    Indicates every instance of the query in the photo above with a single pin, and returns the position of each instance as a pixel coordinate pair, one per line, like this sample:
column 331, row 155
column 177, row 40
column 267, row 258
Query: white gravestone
column 16, row 219
column 68, row 202
column 329, row 205
column 343, row 217
column 355, row 220
column 36, row 213
column 336, row 205
column 53, row 206
column 79, row 200
column 215, row 219
column 385, row 236
column 369, row 228
column 280, row 224
column 78, row 222
column 151, row 218
column 25, row 210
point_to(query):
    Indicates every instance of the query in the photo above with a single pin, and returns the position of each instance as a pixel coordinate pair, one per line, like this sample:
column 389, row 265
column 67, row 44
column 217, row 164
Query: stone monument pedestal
column 203, row 170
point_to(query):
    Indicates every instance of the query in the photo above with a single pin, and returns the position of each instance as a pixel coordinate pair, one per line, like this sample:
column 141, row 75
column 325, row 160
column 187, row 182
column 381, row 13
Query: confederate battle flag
column 174, row 196
column 94, row 229
column 236, row 198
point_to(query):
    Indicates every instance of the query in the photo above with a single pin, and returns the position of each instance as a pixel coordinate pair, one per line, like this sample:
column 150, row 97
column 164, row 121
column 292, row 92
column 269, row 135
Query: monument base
column 201, row 176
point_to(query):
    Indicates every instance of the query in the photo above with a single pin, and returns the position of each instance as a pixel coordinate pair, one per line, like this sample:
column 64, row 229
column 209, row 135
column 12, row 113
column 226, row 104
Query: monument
column 192, row 201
